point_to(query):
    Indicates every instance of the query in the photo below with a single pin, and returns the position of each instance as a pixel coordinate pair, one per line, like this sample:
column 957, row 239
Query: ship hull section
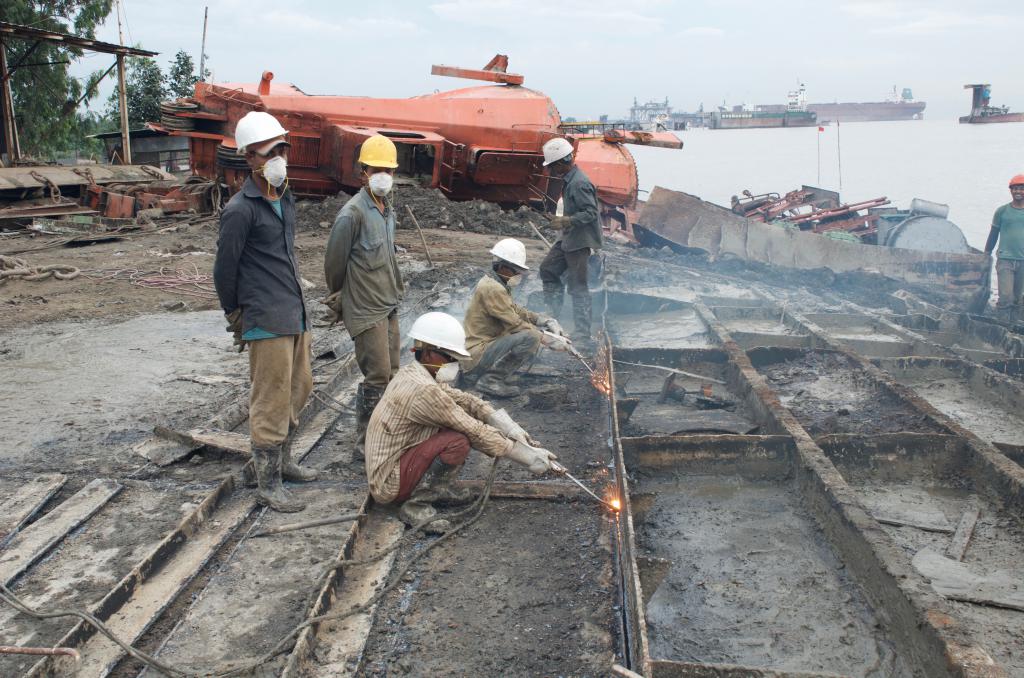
column 867, row 111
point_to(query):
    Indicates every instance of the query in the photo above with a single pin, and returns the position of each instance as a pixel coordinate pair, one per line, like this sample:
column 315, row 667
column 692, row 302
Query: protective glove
column 536, row 459
column 558, row 223
column 508, row 427
column 551, row 325
column 554, row 342
column 235, row 328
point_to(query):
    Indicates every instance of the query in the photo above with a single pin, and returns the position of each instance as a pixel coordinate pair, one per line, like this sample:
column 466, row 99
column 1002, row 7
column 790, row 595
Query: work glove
column 333, row 304
column 558, row 223
column 235, row 328
column 509, row 428
column 552, row 326
column 536, row 459
column 554, row 342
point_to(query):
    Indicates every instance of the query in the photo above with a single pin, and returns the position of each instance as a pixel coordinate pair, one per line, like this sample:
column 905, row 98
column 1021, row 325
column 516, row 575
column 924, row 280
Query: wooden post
column 423, row 238
column 10, row 134
column 122, row 101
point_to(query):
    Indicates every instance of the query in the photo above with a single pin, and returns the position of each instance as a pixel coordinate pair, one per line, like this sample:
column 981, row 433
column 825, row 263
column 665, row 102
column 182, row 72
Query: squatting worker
column 423, row 428
column 1008, row 230
column 501, row 335
column 257, row 280
column 579, row 234
column 363, row 278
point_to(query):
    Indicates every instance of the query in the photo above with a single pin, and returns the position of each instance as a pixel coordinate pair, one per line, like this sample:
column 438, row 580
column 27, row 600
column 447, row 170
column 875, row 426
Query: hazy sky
column 593, row 56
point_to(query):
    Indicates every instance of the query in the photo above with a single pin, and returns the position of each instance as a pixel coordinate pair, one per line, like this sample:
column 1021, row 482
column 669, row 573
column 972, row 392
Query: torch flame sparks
column 616, row 504
column 601, row 379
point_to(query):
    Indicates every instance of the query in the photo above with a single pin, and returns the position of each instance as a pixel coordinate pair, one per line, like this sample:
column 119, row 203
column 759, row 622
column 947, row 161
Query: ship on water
column 793, row 113
column 982, row 110
column 895, row 107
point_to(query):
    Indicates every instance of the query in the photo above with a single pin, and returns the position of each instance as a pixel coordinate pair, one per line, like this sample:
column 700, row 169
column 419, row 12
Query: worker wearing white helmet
column 424, row 428
column 257, row 279
column 363, row 279
column 579, row 235
column 501, row 335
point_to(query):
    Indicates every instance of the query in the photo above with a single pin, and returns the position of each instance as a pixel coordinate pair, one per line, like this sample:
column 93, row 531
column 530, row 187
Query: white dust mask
column 515, row 281
column 275, row 171
column 381, row 183
column 448, row 373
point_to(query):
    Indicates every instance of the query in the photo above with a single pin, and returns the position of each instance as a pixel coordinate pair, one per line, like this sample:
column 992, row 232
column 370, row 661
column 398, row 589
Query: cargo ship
column 793, row 114
column 901, row 107
column 982, row 110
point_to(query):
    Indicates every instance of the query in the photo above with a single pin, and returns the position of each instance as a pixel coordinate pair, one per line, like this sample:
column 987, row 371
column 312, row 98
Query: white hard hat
column 512, row 251
column 556, row 149
column 440, row 330
column 254, row 127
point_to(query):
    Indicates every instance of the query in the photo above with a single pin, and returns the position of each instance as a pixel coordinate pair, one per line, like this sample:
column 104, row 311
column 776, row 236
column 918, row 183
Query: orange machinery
column 479, row 142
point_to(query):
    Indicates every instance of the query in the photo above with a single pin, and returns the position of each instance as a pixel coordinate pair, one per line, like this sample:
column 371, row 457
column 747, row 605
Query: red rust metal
column 41, row 651
column 495, row 71
column 478, row 142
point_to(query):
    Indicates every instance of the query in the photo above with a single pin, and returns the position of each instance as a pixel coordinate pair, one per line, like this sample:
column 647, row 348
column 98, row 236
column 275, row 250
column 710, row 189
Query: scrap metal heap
column 479, row 142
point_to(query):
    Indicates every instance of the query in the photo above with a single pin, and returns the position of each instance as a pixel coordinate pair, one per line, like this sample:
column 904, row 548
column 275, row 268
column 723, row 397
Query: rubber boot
column 417, row 509
column 292, row 471
column 499, row 380
column 439, row 483
column 581, row 317
column 554, row 297
column 367, row 398
column 271, row 492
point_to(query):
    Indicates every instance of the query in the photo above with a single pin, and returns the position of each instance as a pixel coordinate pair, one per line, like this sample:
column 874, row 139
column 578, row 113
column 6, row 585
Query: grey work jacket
column 360, row 261
column 580, row 204
column 256, row 269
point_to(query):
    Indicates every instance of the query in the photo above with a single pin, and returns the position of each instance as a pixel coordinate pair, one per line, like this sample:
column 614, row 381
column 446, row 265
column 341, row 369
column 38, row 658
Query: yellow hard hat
column 379, row 151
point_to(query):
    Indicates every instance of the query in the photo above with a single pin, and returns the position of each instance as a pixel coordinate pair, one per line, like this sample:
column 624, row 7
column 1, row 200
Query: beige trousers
column 377, row 351
column 281, row 380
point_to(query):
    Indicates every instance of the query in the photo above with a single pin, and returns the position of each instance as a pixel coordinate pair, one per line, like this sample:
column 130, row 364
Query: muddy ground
column 525, row 591
column 828, row 395
column 742, row 589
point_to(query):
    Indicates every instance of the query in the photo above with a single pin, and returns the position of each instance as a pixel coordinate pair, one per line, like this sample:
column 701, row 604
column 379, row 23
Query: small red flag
column 821, row 129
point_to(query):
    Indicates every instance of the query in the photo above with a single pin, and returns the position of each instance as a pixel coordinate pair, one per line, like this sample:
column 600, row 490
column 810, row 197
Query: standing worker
column 501, row 335
column 1008, row 230
column 579, row 233
column 362, row 275
column 257, row 279
column 424, row 428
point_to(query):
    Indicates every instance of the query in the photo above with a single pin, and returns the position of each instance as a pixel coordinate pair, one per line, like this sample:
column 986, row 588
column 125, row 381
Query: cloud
column 703, row 31
column 894, row 18
column 543, row 18
column 355, row 27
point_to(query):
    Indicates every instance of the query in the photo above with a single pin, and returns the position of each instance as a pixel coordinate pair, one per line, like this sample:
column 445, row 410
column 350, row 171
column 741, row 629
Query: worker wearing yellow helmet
column 362, row 275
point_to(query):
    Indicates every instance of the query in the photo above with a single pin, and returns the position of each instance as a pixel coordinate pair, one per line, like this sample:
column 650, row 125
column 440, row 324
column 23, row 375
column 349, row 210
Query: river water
column 964, row 166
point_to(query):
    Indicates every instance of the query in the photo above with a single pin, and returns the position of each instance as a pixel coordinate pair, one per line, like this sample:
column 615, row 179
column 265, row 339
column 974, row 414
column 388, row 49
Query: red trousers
column 451, row 446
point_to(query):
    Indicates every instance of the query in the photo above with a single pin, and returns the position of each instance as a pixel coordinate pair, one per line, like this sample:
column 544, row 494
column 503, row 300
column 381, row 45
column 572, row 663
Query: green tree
column 144, row 85
column 44, row 93
column 182, row 77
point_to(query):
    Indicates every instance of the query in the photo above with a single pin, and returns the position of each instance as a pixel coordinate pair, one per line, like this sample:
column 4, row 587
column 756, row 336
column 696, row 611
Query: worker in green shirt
column 1008, row 230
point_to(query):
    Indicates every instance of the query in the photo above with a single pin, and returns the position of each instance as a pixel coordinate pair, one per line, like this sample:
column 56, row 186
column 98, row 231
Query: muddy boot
column 271, row 492
column 581, row 317
column 367, row 398
column 418, row 509
column 554, row 297
column 499, row 380
column 440, row 477
column 292, row 471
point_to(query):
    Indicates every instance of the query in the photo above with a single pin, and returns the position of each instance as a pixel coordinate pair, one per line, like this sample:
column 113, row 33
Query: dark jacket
column 580, row 204
column 256, row 267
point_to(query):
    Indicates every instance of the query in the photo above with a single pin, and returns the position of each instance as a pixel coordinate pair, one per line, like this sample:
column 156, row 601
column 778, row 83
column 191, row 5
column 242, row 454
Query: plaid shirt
column 413, row 408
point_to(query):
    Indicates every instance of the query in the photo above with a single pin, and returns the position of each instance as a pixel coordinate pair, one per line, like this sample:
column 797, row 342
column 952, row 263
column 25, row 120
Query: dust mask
column 515, row 281
column 381, row 183
column 275, row 171
column 448, row 373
